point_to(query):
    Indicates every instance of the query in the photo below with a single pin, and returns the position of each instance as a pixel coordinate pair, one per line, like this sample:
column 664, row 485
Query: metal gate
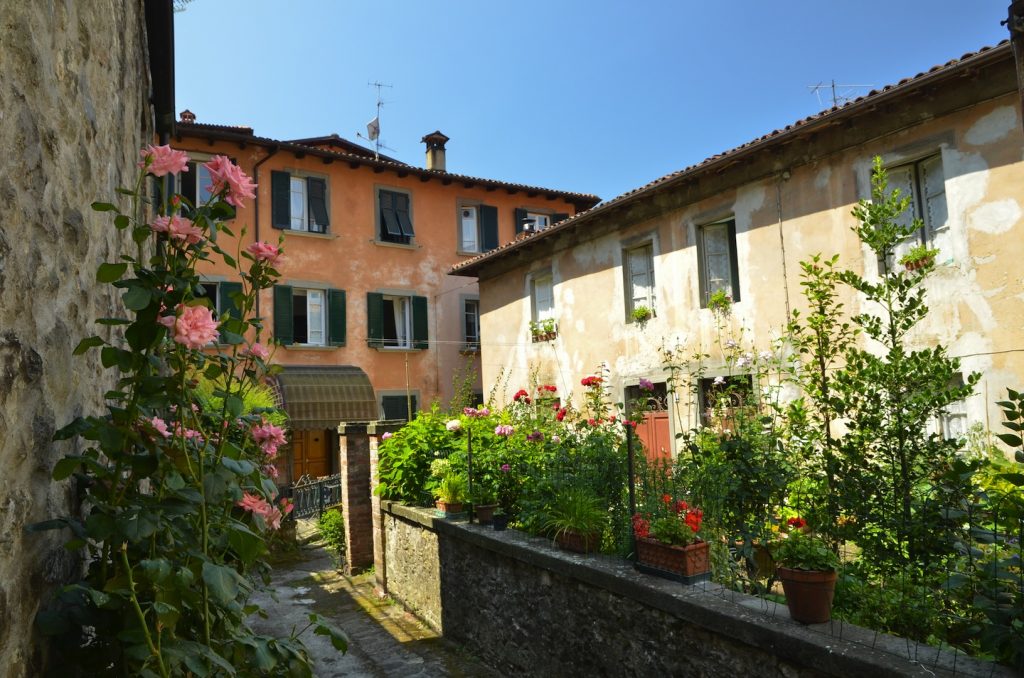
column 311, row 496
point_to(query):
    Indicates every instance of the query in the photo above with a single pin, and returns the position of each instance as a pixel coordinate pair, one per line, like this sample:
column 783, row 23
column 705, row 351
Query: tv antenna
column 373, row 127
column 841, row 94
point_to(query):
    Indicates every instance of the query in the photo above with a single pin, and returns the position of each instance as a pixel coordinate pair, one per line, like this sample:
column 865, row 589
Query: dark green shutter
column 316, row 189
column 733, row 262
column 280, row 199
column 283, row 315
column 188, row 182
column 336, row 317
column 388, row 219
column 403, row 213
column 226, row 305
column 520, row 220
column 555, row 218
column 420, row 337
column 374, row 319
column 702, row 279
column 489, row 227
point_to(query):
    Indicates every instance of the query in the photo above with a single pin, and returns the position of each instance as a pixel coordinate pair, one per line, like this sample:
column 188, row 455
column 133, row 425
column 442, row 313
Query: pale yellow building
column 741, row 222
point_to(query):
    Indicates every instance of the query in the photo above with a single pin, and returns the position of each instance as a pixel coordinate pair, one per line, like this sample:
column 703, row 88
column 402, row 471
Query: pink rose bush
column 268, row 437
column 264, row 251
column 178, row 228
column 256, row 350
column 259, row 506
column 194, row 326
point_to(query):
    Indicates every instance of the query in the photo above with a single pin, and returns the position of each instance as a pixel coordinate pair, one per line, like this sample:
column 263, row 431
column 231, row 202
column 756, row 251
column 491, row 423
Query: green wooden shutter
column 420, row 335
column 226, row 305
column 555, row 218
column 375, row 319
column 702, row 277
column 336, row 317
column 283, row 315
column 404, row 214
column 188, row 182
column 489, row 227
column 520, row 220
column 280, row 199
column 733, row 262
column 316, row 190
column 388, row 218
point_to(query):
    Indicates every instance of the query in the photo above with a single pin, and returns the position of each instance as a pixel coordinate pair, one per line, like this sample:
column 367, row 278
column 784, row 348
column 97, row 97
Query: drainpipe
column 256, row 216
column 1015, row 23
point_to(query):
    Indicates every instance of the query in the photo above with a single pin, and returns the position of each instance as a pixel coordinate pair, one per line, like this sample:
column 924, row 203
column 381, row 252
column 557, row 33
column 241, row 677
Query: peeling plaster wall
column 73, row 113
column 976, row 293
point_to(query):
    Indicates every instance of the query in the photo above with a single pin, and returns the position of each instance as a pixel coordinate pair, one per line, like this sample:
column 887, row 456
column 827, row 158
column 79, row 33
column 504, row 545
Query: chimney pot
column 188, row 116
column 435, row 142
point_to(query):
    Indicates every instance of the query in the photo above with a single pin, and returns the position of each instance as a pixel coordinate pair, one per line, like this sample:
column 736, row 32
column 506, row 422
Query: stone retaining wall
column 527, row 608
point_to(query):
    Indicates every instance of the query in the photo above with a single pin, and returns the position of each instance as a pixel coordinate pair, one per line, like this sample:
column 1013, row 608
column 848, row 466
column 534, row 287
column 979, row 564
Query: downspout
column 256, row 215
column 1015, row 23
column 784, row 176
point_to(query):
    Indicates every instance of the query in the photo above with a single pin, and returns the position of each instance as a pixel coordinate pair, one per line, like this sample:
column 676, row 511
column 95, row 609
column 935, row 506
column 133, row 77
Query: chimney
column 188, row 116
column 435, row 142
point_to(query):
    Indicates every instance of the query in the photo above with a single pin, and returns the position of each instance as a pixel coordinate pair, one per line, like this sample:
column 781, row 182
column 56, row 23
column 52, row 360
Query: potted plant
column 641, row 314
column 577, row 520
column 484, row 502
column 670, row 545
column 919, row 256
column 450, row 493
column 720, row 301
column 807, row 568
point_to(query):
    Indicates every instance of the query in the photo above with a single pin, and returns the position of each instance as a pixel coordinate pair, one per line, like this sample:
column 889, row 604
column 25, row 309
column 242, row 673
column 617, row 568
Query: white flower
column 765, row 355
column 719, row 381
column 745, row 360
column 453, row 425
column 731, row 343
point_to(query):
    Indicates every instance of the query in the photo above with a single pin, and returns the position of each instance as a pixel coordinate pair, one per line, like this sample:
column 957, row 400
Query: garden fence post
column 469, row 469
column 632, row 487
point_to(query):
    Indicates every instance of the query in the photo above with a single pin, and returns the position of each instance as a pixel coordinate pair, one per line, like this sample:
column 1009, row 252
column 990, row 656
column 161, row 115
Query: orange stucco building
column 364, row 287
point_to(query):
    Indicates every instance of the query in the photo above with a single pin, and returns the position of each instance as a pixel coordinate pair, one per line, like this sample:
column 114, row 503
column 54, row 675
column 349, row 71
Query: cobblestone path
column 383, row 638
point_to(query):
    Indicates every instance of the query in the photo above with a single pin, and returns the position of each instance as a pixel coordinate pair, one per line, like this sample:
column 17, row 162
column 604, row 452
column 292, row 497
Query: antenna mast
column 839, row 96
column 373, row 127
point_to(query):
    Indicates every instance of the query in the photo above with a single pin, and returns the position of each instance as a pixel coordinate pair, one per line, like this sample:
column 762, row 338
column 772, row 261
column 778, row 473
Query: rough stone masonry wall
column 73, row 113
column 527, row 608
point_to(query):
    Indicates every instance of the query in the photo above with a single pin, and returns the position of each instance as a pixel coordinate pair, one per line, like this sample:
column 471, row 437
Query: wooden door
column 310, row 454
column 656, row 435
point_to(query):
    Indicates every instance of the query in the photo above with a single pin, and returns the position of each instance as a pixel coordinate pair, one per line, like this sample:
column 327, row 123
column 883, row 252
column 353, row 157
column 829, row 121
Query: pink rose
column 179, row 228
column 268, row 437
column 161, row 426
column 163, row 160
column 195, row 326
column 227, row 175
column 261, row 507
column 271, row 471
column 257, row 350
column 264, row 251
column 273, row 518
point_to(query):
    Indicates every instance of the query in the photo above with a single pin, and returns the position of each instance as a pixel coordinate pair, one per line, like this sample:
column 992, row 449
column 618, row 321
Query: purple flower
column 387, row 434
column 503, row 430
column 535, row 437
column 505, row 468
column 646, row 385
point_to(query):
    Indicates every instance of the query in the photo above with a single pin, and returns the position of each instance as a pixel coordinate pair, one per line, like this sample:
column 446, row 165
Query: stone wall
column 527, row 608
column 73, row 113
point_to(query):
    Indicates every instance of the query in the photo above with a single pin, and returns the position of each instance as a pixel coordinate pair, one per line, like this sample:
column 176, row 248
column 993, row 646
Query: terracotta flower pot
column 809, row 594
column 570, row 540
column 449, row 507
column 686, row 562
column 485, row 513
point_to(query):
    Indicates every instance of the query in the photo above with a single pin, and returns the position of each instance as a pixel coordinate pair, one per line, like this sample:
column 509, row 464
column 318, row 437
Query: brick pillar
column 380, row 568
column 354, row 462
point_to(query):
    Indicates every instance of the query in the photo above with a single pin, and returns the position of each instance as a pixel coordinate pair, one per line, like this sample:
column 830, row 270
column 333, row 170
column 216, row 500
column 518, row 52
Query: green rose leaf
column 108, row 273
column 222, row 581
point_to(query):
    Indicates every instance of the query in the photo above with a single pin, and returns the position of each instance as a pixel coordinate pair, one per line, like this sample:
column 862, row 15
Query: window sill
column 310, row 347
column 470, row 349
column 470, row 253
column 396, row 349
column 401, row 246
column 308, row 234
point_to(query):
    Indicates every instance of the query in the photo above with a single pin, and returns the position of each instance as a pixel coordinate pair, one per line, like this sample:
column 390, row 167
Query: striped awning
column 323, row 397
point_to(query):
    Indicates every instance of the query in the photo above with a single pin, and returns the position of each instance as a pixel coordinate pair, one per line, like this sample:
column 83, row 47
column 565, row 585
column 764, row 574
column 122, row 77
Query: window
column 222, row 300
column 716, row 254
column 542, row 296
column 396, row 321
column 397, row 407
column 471, row 324
column 925, row 183
column 536, row 221
column 478, row 228
column 952, row 423
column 639, row 401
column 298, row 203
column 720, row 398
column 394, row 217
column 194, row 184
column 309, row 317
column 639, row 270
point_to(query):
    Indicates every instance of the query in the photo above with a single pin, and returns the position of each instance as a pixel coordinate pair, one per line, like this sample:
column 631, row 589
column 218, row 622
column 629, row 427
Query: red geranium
column 666, row 499
column 694, row 518
column 547, row 387
column 641, row 526
column 796, row 523
column 590, row 381
column 522, row 396
column 560, row 415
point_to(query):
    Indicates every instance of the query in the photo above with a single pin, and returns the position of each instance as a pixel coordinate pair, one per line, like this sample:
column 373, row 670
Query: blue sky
column 596, row 96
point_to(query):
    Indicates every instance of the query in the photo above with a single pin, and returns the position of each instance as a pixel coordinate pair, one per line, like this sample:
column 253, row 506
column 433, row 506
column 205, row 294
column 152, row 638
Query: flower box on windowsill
column 544, row 336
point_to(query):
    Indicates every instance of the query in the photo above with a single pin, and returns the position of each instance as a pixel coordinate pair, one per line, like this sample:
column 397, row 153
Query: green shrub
column 332, row 531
